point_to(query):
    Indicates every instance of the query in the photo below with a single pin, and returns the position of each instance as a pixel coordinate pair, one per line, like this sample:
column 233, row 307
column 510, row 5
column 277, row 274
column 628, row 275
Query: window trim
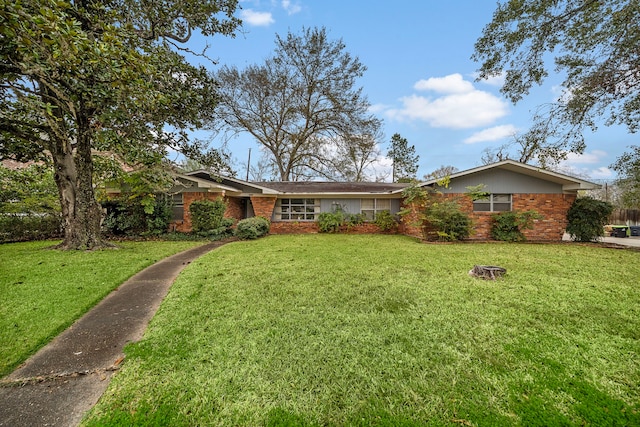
column 177, row 207
column 375, row 209
column 280, row 213
column 492, row 202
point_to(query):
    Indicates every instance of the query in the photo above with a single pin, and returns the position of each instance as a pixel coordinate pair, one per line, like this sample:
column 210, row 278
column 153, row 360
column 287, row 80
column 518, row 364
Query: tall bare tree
column 298, row 99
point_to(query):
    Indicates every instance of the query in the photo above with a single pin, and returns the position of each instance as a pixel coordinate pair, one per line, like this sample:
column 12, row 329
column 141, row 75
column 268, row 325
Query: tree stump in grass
column 487, row 272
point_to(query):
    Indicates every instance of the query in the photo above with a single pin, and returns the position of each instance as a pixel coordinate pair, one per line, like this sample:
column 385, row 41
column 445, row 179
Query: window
column 494, row 203
column 177, row 207
column 371, row 207
column 297, row 210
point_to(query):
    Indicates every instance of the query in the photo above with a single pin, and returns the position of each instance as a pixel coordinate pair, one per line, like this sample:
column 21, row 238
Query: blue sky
column 419, row 79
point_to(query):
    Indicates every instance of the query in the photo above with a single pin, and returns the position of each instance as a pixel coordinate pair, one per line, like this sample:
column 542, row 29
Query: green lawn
column 381, row 330
column 43, row 291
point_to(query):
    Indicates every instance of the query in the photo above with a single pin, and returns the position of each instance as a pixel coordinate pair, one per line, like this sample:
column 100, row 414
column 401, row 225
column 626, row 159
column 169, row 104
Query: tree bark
column 81, row 212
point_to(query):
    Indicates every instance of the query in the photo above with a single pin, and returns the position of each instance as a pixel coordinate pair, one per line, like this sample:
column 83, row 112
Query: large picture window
column 494, row 203
column 297, row 210
column 370, row 207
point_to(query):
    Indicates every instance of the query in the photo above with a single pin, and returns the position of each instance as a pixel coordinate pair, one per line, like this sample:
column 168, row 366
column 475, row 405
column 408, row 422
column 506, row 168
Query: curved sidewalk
column 61, row 382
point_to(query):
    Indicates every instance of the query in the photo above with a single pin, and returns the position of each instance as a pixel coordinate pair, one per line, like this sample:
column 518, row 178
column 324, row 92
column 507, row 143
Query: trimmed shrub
column 587, row 217
column 330, row 222
column 385, row 220
column 127, row 216
column 252, row 228
column 449, row 221
column 508, row 226
column 207, row 215
column 24, row 227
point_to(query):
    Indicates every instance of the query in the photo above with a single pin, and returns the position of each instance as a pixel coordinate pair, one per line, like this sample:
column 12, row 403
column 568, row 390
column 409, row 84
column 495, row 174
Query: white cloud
column 492, row 134
column 380, row 169
column 596, row 156
column 453, row 83
column 291, row 8
column 258, row 19
column 601, row 173
column 378, row 108
column 592, row 160
column 458, row 111
column 461, row 106
column 497, row 81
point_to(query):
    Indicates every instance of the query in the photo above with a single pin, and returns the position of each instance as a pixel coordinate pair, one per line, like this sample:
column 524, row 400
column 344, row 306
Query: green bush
column 127, row 216
column 207, row 215
column 508, row 226
column 158, row 221
column 330, row 222
column 252, row 228
column 587, row 217
column 355, row 219
column 24, row 227
column 448, row 220
column 385, row 220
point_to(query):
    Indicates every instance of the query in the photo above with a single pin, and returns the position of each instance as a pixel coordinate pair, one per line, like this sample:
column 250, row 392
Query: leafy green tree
column 594, row 43
column 587, row 218
column 29, row 190
column 404, row 157
column 628, row 168
column 29, row 207
column 80, row 78
column 301, row 98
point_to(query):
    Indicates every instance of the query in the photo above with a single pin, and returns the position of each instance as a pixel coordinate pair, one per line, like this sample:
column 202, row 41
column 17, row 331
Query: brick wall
column 235, row 209
column 410, row 225
column 292, row 227
column 263, row 206
column 552, row 207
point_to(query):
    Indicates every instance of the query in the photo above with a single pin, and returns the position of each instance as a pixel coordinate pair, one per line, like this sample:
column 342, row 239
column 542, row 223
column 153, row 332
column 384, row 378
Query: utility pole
column 248, row 165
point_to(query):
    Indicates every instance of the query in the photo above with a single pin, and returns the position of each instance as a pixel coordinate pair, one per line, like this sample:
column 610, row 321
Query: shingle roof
column 315, row 187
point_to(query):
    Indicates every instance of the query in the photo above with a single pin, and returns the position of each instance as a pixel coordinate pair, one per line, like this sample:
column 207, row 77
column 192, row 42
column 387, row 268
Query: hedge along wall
column 309, row 227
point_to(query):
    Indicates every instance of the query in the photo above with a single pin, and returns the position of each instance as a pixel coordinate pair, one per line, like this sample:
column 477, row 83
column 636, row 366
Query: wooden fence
column 625, row 216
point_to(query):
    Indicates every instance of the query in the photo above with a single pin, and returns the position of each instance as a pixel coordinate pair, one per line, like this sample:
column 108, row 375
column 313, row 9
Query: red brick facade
column 263, row 206
column 235, row 209
column 552, row 207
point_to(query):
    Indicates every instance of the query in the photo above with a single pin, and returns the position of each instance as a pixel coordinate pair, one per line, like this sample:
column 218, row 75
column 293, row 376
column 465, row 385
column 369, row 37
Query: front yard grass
column 43, row 291
column 381, row 330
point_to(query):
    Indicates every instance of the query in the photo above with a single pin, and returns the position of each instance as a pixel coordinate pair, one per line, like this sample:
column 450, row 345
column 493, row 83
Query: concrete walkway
column 61, row 382
column 633, row 242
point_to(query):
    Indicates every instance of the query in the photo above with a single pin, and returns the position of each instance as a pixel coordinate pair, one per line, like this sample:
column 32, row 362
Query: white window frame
column 297, row 209
column 495, row 203
column 379, row 205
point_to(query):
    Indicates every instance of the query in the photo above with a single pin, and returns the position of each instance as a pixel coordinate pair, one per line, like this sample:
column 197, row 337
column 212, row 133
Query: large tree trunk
column 74, row 177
